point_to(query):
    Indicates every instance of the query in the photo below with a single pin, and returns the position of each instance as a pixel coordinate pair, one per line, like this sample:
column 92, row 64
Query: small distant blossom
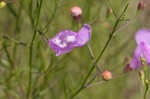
column 107, row 75
column 2, row 4
column 76, row 11
column 141, row 5
column 143, row 48
column 66, row 40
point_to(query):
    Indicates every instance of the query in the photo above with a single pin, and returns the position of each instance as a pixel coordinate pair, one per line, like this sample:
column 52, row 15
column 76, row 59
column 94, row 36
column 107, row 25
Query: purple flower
column 66, row 40
column 143, row 48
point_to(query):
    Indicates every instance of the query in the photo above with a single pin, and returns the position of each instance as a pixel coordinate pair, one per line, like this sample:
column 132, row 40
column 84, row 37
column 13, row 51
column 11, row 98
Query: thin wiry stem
column 30, row 66
column 8, row 56
column 100, row 55
column 92, row 56
column 14, row 40
column 29, row 91
column 102, row 81
column 45, row 28
column 146, row 88
column 146, row 82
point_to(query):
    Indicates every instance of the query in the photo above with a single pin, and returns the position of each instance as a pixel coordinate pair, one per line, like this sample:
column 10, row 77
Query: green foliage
column 29, row 69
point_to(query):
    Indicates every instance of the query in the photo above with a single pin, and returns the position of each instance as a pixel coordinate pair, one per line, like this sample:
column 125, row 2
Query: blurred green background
column 58, row 77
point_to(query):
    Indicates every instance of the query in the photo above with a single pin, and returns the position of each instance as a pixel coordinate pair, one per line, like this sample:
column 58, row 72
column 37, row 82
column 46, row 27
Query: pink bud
column 107, row 75
column 127, row 68
column 76, row 11
column 141, row 5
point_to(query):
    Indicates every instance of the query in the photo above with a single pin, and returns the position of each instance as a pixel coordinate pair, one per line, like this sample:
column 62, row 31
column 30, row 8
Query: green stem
column 29, row 91
column 8, row 55
column 10, row 73
column 146, row 83
column 109, row 39
column 100, row 55
column 146, row 88
column 30, row 66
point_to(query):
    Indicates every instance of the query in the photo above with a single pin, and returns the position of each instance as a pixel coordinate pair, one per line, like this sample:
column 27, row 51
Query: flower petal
column 59, row 51
column 143, row 35
column 84, row 35
column 143, row 51
column 136, row 63
column 146, row 52
column 63, row 42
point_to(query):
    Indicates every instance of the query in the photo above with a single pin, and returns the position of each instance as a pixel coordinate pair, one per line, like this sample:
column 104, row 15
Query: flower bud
column 76, row 12
column 2, row 4
column 127, row 68
column 107, row 75
column 141, row 5
column 146, row 82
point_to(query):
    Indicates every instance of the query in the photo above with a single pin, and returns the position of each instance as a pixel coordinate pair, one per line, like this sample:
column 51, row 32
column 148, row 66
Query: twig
column 102, row 81
column 29, row 91
column 14, row 40
column 93, row 57
column 100, row 55
column 8, row 56
column 124, row 26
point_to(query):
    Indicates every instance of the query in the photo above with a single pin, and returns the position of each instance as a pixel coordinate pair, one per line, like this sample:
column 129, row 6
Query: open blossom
column 143, row 48
column 66, row 40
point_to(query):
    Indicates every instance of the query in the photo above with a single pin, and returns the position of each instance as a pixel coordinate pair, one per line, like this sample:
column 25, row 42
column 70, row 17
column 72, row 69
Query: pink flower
column 66, row 40
column 143, row 48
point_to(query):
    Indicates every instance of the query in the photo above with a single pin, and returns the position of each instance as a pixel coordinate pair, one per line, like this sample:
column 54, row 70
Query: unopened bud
column 2, row 4
column 127, row 68
column 107, row 75
column 141, row 5
column 76, row 12
column 146, row 82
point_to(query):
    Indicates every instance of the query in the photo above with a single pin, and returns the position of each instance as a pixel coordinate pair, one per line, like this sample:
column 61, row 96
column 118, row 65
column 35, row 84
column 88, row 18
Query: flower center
column 59, row 42
column 70, row 38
